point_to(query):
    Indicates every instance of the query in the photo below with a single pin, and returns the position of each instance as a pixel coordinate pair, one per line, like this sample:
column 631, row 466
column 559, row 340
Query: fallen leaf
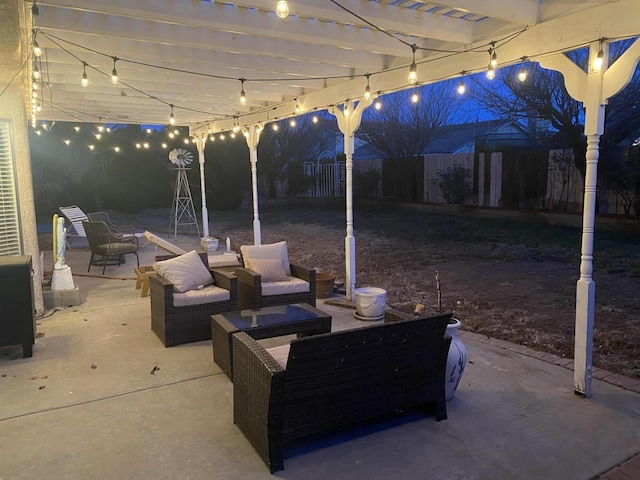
column 94, row 366
column 124, row 324
column 41, row 387
column 39, row 334
column 44, row 377
column 34, row 377
column 155, row 369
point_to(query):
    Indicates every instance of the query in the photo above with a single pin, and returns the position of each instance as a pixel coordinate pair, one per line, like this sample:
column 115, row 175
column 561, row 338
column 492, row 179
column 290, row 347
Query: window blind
column 9, row 220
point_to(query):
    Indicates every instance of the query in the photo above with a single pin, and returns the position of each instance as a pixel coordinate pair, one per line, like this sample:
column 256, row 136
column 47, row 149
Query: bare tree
column 544, row 94
column 402, row 130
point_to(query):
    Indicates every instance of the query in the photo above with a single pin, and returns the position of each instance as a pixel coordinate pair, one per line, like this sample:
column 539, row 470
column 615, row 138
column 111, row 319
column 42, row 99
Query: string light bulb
column 292, row 122
column 378, row 104
column 522, row 74
column 36, row 72
column 85, row 80
column 243, row 94
column 37, row 51
column 114, row 72
column 367, row 89
column 345, row 110
column 462, row 88
column 172, row 119
column 314, row 119
column 494, row 56
column 282, row 8
column 415, row 97
column 413, row 68
column 491, row 72
column 297, row 106
column 597, row 62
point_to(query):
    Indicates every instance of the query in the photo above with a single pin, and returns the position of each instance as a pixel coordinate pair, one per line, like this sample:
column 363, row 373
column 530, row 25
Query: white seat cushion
column 280, row 354
column 269, row 251
column 186, row 272
column 208, row 294
column 292, row 285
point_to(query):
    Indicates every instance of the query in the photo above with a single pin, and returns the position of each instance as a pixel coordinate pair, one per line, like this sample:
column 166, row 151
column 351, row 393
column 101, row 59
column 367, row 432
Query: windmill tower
column 182, row 210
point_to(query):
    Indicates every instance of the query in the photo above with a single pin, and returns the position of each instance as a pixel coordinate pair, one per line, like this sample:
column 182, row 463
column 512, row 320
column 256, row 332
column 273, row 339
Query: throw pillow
column 186, row 272
column 271, row 270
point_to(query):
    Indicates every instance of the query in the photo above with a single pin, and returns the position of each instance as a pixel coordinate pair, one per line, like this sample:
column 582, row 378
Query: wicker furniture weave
column 267, row 322
column 250, row 289
column 192, row 323
column 336, row 379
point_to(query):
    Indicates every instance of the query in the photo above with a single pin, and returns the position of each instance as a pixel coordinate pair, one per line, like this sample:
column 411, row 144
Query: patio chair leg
column 104, row 263
column 90, row 263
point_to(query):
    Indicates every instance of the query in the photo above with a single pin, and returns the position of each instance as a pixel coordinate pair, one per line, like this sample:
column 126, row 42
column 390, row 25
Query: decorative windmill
column 182, row 209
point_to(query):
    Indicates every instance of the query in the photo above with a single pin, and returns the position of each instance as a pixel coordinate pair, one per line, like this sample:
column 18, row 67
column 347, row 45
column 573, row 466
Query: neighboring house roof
column 459, row 138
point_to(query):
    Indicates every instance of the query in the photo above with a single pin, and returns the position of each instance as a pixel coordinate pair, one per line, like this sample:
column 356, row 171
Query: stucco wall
column 13, row 109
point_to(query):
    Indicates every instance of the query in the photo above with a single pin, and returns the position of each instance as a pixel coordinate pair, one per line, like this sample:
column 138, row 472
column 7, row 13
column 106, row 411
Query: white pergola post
column 201, row 142
column 593, row 88
column 253, row 137
column 348, row 124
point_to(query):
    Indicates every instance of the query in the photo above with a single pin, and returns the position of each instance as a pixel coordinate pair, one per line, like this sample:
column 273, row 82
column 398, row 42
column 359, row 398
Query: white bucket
column 370, row 301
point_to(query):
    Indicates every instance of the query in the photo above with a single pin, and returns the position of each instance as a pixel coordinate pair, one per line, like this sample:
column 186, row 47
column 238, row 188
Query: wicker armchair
column 107, row 247
column 126, row 231
column 175, row 325
column 256, row 292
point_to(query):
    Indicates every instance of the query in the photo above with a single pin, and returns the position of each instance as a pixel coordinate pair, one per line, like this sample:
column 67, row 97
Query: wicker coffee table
column 267, row 322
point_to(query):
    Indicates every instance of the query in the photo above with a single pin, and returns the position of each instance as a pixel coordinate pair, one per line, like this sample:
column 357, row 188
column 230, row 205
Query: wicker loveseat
column 175, row 323
column 335, row 379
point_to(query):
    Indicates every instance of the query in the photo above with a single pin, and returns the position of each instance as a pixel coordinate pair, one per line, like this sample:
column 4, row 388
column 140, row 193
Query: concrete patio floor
column 102, row 398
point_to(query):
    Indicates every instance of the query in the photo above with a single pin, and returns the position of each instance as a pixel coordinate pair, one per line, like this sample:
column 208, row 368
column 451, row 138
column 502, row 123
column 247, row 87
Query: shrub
column 453, row 184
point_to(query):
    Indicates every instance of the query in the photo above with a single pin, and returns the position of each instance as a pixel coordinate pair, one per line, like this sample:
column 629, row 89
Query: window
column 9, row 219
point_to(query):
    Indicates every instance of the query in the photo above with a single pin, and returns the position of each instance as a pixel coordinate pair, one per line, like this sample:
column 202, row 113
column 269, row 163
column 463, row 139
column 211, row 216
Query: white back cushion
column 269, row 251
column 186, row 272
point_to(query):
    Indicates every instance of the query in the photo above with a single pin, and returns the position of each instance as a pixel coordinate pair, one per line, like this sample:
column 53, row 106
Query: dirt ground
column 507, row 279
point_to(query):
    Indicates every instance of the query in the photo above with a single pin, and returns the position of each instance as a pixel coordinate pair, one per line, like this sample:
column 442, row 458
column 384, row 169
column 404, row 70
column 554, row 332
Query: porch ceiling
column 192, row 53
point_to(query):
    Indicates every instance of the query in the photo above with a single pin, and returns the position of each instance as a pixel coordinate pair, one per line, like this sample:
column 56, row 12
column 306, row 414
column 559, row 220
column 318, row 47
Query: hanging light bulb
column 37, row 51
column 367, row 89
column 77, row 128
column 597, row 62
column 85, row 81
column 92, row 147
column 345, row 110
column 378, row 104
column 138, row 145
column 494, row 57
column 172, row 119
column 114, row 72
column 222, row 136
column 101, row 127
column 413, row 69
column 38, row 107
column 491, row 72
column 461, row 86
column 243, row 95
column 282, row 8
column 36, row 72
column 164, row 145
column 67, row 142
column 522, row 74
column 292, row 122
column 415, row 97
column 297, row 106
column 236, row 127
column 314, row 119
column 116, row 149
